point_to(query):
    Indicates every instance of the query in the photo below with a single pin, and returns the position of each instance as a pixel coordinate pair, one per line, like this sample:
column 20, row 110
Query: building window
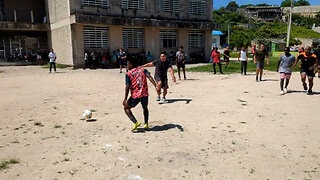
column 133, row 4
column 169, row 6
column 96, row 37
column 197, row 7
column 133, row 38
column 168, row 39
column 101, row 3
column 196, row 39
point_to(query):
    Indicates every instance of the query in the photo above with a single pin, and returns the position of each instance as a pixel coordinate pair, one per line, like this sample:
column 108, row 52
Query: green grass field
column 58, row 66
column 234, row 67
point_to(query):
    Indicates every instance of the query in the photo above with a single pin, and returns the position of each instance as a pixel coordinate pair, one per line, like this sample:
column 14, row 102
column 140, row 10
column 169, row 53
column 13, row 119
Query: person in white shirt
column 243, row 58
column 52, row 57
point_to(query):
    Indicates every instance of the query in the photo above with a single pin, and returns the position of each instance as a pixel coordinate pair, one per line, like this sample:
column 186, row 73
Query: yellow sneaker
column 146, row 126
column 135, row 126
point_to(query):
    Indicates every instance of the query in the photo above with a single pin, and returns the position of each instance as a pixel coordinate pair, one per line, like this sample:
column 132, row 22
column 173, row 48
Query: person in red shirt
column 136, row 83
column 216, row 60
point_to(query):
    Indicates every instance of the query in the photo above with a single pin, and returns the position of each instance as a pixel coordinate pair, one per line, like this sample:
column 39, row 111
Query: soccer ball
column 87, row 114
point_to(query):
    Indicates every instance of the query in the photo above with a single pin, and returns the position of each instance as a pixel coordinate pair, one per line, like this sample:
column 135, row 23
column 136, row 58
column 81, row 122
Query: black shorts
column 164, row 81
column 180, row 65
column 309, row 73
column 134, row 102
column 123, row 62
column 226, row 59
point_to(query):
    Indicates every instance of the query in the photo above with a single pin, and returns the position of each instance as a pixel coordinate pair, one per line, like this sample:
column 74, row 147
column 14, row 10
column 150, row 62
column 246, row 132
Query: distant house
column 306, row 11
column 216, row 38
column 262, row 13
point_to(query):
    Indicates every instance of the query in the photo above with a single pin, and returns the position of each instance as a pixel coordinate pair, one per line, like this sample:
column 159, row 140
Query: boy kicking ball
column 136, row 83
column 285, row 68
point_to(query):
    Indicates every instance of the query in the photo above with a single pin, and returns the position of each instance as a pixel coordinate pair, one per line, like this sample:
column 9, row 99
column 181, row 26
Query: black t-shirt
column 161, row 68
column 307, row 61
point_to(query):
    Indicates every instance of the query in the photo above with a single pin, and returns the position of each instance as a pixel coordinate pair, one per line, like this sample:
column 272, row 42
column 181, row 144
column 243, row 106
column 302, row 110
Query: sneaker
column 163, row 100
column 158, row 98
column 309, row 92
column 285, row 90
column 135, row 126
column 185, row 78
column 305, row 87
column 146, row 126
column 282, row 93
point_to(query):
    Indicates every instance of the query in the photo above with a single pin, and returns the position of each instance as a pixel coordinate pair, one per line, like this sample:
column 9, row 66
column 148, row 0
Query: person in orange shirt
column 308, row 63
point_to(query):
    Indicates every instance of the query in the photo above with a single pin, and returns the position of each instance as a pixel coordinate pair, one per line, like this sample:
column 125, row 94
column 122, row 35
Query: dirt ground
column 213, row 127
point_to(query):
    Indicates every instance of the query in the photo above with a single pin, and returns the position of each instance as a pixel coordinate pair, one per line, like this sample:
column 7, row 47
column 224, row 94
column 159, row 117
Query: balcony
column 23, row 26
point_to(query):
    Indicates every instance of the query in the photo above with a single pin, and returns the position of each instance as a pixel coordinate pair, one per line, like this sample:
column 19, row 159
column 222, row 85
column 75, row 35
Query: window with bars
column 196, row 39
column 197, row 7
column 133, row 4
column 101, row 3
column 96, row 37
column 169, row 6
column 133, row 38
column 168, row 39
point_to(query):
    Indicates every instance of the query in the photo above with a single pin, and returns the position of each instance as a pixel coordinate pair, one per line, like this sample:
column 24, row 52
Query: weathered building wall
column 61, row 34
column 306, row 11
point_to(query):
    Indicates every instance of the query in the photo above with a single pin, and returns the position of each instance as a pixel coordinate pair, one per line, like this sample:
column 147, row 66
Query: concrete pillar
column 77, row 45
column 152, row 41
column 207, row 44
column 115, row 37
column 183, row 40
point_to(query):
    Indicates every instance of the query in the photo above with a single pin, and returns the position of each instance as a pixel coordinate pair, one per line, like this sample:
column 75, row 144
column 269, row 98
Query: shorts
column 260, row 65
column 309, row 73
column 285, row 75
column 164, row 81
column 134, row 102
column 123, row 62
column 226, row 59
column 181, row 65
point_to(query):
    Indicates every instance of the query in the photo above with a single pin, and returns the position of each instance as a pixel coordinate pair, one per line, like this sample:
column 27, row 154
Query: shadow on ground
column 302, row 92
column 166, row 127
column 178, row 100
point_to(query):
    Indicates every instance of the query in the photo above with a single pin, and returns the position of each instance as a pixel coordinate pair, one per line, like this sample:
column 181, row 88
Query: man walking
column 180, row 62
column 162, row 67
column 52, row 58
column 259, row 58
column 122, row 59
column 285, row 68
column 216, row 60
column 308, row 63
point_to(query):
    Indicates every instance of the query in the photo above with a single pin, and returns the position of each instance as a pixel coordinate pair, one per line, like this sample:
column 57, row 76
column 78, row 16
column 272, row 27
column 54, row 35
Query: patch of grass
column 1, row 71
column 63, row 132
column 235, row 67
column 93, row 110
column 38, row 124
column 6, row 164
column 57, row 126
column 66, row 159
column 58, row 66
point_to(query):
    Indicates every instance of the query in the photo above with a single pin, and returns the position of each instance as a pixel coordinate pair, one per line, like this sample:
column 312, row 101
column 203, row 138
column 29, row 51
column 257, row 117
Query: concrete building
column 306, row 11
column 262, row 13
column 22, row 27
column 135, row 25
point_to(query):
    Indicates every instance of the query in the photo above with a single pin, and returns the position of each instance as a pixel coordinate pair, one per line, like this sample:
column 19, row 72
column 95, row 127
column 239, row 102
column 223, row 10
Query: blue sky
column 219, row 3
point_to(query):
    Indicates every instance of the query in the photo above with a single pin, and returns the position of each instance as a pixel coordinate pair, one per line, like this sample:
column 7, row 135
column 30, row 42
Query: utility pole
column 289, row 25
column 229, row 33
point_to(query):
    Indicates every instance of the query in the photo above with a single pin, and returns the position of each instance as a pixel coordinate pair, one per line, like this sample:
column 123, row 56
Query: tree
column 263, row 4
column 287, row 3
column 246, row 5
column 302, row 3
column 241, row 37
column 232, row 6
